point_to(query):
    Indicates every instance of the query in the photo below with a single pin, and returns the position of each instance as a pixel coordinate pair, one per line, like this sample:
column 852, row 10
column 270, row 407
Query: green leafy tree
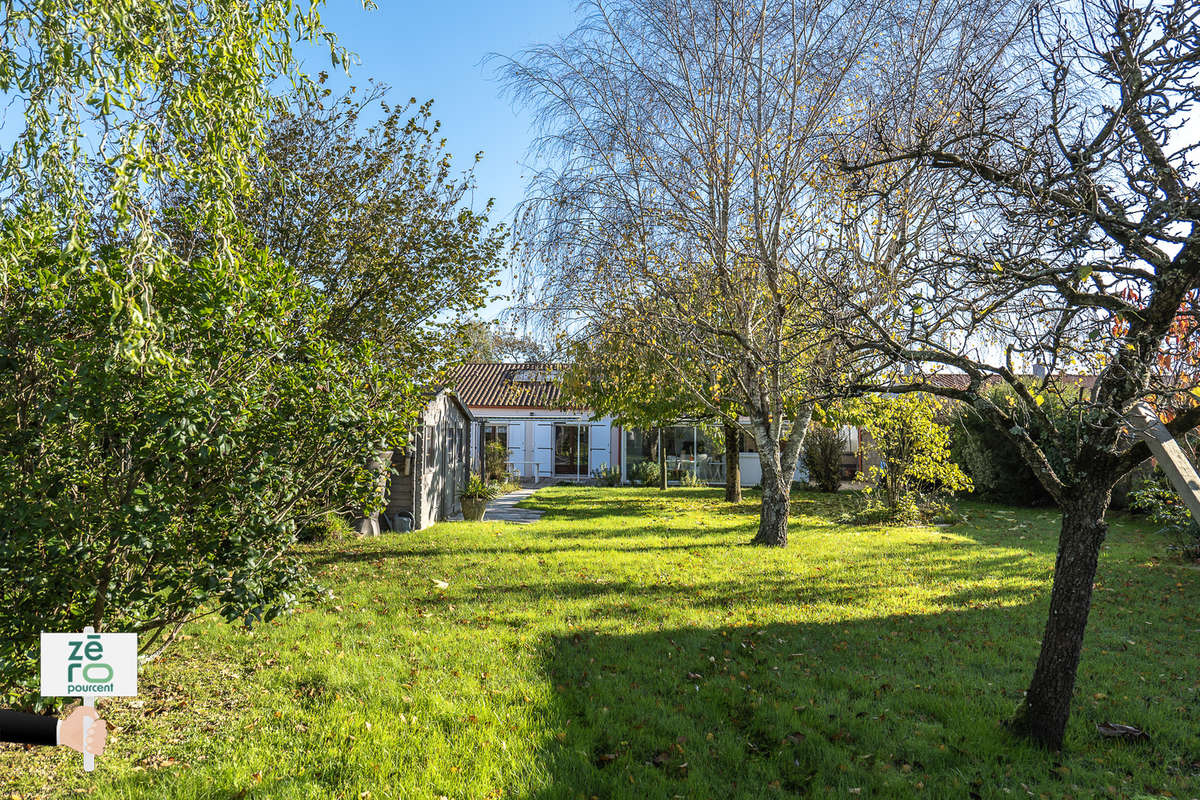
column 376, row 218
column 170, row 400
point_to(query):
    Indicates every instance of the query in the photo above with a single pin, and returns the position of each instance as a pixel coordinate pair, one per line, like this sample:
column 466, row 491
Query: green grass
column 630, row 645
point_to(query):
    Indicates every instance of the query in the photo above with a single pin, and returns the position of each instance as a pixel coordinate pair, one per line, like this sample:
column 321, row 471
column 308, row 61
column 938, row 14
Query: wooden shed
column 427, row 477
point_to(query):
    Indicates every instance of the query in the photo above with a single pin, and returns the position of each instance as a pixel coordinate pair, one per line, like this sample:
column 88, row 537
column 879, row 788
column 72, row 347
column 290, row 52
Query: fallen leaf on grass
column 1114, row 730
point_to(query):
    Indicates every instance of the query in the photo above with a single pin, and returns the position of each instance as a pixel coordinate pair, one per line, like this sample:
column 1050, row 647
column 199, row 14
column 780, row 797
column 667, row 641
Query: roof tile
column 495, row 385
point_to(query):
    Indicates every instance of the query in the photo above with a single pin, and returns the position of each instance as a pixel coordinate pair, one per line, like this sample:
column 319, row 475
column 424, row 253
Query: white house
column 519, row 405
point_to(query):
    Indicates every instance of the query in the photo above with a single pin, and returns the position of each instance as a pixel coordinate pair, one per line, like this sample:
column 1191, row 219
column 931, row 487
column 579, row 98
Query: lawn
column 630, row 645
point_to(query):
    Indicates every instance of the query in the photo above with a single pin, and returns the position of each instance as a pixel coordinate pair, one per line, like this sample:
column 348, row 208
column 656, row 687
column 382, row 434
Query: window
column 570, row 449
column 687, row 450
column 495, row 433
column 430, row 449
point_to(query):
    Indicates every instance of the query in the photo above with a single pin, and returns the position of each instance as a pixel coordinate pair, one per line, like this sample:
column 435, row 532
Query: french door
column 570, row 449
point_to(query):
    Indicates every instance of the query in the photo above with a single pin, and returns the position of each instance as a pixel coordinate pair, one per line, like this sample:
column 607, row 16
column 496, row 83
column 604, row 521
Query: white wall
column 752, row 469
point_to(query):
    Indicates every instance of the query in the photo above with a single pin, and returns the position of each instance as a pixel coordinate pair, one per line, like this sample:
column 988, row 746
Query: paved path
column 503, row 509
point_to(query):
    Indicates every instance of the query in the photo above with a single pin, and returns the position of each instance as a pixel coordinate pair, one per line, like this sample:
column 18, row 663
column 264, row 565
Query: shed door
column 516, row 447
column 543, row 448
column 599, row 438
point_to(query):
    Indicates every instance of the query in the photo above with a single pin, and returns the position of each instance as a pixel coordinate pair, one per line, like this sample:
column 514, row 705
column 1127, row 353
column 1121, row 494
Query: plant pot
column 473, row 508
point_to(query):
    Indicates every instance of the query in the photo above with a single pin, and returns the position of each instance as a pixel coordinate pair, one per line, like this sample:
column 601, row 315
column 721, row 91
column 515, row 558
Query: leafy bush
column 495, row 460
column 1159, row 499
column 691, row 479
column 988, row 455
column 169, row 384
column 823, row 457
column 329, row 527
column 915, row 471
column 644, row 473
column 915, row 508
column 607, row 476
column 171, row 458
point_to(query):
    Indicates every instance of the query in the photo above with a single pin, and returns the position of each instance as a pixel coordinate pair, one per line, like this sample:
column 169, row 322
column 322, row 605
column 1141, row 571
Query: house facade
column 520, row 406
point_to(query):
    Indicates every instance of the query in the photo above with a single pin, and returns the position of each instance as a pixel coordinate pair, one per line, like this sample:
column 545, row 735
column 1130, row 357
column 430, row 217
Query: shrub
column 1159, row 499
column 644, row 473
column 607, row 476
column 328, row 527
column 495, row 459
column 691, row 479
column 916, row 471
column 823, row 457
column 997, row 470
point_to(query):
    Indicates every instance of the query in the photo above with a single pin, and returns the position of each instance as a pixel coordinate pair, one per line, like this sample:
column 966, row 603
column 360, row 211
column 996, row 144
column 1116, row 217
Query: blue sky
column 436, row 50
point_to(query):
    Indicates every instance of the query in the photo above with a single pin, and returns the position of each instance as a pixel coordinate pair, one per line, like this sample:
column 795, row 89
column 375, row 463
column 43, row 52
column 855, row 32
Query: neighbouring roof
column 494, row 384
column 951, row 380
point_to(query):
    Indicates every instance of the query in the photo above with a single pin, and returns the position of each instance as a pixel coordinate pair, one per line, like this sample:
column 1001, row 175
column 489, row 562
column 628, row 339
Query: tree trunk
column 778, row 459
column 733, row 465
column 1043, row 714
column 776, row 505
column 662, row 462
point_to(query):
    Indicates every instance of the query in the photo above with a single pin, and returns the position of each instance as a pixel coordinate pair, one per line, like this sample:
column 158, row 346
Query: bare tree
column 1066, row 241
column 690, row 195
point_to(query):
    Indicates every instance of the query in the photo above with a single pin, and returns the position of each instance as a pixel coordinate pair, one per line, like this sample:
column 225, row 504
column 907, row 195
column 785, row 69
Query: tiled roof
column 951, row 380
column 493, row 384
column 499, row 385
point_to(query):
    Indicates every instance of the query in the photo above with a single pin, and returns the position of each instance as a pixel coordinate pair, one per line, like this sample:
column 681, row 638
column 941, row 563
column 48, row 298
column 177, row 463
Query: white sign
column 89, row 664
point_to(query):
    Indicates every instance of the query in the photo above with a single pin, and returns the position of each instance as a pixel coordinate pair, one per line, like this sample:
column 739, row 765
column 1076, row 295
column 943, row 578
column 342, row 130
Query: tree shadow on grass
column 371, row 556
column 900, row 706
column 957, row 584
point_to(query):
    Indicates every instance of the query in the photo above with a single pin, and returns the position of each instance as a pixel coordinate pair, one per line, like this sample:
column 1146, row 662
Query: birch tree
column 688, row 196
